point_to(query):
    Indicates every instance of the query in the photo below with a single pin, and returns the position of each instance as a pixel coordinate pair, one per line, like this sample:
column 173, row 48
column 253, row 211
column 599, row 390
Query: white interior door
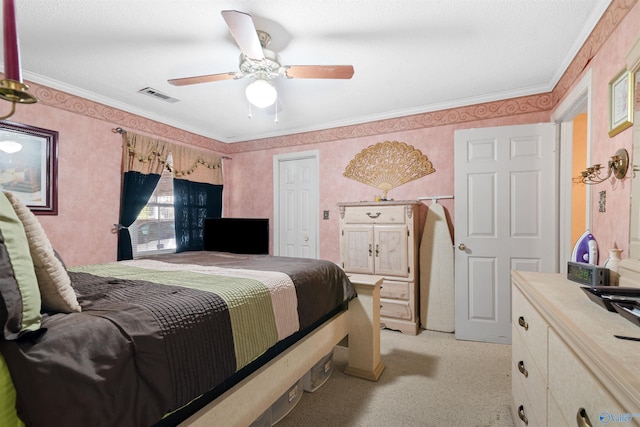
column 296, row 202
column 505, row 219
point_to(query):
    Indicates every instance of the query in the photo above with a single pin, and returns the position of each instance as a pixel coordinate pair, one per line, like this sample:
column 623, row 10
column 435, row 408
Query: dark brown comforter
column 140, row 349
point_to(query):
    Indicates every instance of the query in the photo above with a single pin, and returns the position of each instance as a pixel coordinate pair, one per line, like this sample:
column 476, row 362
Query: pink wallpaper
column 89, row 152
column 252, row 186
column 611, row 228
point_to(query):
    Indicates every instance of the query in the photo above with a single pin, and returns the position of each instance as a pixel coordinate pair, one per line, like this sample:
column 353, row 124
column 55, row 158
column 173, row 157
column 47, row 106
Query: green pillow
column 20, row 302
column 8, row 414
column 56, row 292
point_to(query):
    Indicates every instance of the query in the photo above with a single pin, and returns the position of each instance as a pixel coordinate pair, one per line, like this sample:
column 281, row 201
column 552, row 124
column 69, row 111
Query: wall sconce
column 11, row 87
column 618, row 166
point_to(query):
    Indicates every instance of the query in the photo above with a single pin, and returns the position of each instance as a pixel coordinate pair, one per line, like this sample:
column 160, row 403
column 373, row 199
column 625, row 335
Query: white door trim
column 563, row 115
column 277, row 160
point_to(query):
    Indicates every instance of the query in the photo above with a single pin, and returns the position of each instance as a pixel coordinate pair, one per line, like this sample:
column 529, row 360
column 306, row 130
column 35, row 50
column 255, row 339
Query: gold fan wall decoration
column 387, row 165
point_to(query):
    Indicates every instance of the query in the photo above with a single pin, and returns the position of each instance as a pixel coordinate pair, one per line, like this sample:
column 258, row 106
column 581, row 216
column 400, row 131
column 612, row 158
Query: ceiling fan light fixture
column 261, row 93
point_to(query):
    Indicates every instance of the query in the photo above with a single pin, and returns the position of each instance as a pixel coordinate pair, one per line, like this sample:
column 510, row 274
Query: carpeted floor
column 430, row 380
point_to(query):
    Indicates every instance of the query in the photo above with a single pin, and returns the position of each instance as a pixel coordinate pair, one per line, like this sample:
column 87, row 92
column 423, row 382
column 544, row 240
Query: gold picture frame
column 620, row 102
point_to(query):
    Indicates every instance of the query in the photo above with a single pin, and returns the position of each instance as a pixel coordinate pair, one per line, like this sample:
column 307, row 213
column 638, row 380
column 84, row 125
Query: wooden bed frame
column 245, row 402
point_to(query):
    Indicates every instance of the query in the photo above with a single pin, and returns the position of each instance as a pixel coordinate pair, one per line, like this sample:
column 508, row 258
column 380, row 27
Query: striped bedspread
column 156, row 333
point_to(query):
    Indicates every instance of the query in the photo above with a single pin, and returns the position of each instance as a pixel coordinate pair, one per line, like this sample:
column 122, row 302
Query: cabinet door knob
column 370, row 250
column 522, row 416
column 522, row 369
column 375, row 215
column 523, row 323
column 582, row 418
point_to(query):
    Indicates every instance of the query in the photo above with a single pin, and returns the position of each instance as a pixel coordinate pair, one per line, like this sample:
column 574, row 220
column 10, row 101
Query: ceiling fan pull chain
column 276, row 107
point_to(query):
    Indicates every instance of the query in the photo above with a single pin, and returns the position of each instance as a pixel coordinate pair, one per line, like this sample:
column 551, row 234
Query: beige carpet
column 430, row 380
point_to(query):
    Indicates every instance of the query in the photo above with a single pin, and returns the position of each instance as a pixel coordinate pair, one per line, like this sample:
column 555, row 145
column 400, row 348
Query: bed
column 198, row 338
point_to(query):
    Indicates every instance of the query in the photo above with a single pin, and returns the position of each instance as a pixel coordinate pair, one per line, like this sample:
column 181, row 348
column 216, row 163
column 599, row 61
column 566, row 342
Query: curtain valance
column 143, row 154
column 148, row 155
column 196, row 165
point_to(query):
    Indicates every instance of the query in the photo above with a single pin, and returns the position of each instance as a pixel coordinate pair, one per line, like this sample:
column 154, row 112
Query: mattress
column 157, row 333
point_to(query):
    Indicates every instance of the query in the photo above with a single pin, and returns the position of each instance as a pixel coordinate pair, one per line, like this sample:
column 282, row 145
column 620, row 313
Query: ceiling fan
column 262, row 64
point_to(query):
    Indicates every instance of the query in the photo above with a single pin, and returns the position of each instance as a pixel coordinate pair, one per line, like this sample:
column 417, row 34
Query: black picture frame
column 29, row 166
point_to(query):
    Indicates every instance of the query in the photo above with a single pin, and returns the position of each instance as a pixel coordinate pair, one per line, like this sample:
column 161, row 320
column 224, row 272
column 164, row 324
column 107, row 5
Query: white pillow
column 53, row 280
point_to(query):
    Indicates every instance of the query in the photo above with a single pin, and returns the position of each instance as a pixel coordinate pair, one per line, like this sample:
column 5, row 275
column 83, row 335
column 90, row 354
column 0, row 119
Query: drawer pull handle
column 523, row 323
column 374, row 216
column 522, row 416
column 522, row 369
column 583, row 419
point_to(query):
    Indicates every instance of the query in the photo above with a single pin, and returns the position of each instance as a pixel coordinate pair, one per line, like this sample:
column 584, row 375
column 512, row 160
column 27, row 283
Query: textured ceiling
column 409, row 56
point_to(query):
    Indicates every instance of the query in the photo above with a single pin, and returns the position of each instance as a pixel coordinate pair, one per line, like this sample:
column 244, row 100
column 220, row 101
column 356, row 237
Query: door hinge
column 409, row 270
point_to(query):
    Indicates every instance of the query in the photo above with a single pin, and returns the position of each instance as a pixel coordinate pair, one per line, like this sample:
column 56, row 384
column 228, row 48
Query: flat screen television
column 237, row 235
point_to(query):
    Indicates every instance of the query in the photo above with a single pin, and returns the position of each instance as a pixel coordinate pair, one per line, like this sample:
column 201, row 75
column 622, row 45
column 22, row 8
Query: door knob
column 462, row 246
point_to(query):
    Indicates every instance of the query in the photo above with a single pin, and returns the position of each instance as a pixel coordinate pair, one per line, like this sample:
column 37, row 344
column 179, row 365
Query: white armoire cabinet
column 381, row 238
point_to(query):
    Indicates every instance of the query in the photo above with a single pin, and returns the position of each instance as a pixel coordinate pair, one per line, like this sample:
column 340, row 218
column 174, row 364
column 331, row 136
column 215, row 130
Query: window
column 153, row 231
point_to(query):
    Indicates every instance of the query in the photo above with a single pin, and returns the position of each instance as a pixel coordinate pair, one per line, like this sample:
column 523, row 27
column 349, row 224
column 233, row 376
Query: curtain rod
column 120, row 130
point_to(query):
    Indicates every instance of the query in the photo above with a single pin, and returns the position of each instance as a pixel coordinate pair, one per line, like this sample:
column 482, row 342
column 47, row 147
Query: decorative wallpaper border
column 610, row 19
column 489, row 110
column 614, row 14
column 64, row 101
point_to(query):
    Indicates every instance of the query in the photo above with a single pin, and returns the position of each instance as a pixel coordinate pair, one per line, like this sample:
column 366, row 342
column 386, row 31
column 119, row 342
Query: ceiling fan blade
column 320, row 71
column 244, row 32
column 202, row 79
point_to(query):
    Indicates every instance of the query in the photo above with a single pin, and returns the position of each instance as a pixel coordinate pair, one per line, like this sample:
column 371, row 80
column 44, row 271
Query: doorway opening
column 573, row 117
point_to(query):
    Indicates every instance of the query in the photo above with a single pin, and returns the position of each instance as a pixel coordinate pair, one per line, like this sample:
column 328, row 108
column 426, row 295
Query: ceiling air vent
column 157, row 94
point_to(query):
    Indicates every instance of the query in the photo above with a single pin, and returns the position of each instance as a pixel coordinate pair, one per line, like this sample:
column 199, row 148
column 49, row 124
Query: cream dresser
column 381, row 239
column 568, row 369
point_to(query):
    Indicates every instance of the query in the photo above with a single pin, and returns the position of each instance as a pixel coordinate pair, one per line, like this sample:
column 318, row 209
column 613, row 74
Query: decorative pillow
column 53, row 279
column 8, row 412
column 20, row 302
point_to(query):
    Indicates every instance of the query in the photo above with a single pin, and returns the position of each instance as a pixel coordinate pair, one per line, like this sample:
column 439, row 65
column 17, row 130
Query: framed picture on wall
column 620, row 102
column 29, row 166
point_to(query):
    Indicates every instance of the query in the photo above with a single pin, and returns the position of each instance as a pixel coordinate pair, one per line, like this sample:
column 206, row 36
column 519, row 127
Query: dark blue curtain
column 136, row 190
column 193, row 202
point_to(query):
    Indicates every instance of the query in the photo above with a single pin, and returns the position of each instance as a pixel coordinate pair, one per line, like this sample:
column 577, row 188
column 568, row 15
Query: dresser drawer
column 374, row 215
column 534, row 383
column 531, row 327
column 574, row 387
column 396, row 290
column 523, row 411
column 554, row 414
column 396, row 308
